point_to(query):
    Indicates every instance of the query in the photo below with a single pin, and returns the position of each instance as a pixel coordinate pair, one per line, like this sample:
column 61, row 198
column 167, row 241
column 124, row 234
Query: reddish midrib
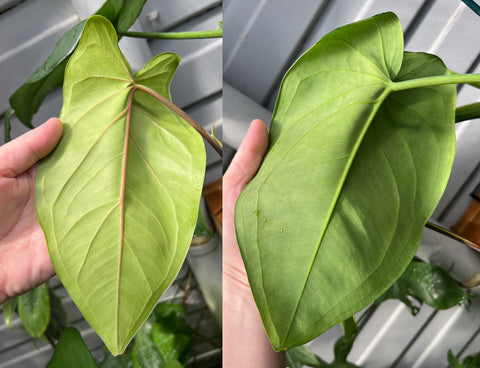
column 122, row 202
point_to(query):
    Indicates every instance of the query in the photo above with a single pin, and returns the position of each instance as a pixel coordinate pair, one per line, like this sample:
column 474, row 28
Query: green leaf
column 472, row 361
column 118, row 199
column 453, row 361
column 129, row 14
column 145, row 353
column 201, row 228
column 71, row 351
column 34, row 310
column 119, row 361
column 9, row 308
column 8, row 125
column 58, row 317
column 173, row 364
column 171, row 334
column 429, row 284
column 354, row 169
column 111, row 10
column 300, row 356
column 27, row 98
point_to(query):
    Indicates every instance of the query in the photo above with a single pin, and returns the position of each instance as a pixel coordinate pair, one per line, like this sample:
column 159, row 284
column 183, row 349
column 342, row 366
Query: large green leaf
column 34, row 310
column 355, row 167
column 118, row 198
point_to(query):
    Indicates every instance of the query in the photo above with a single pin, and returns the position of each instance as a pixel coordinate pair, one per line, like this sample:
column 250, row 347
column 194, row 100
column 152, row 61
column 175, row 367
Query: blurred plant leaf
column 472, row 361
column 34, row 310
column 468, row 362
column 453, row 361
column 172, row 335
column 27, row 98
column 8, row 125
column 427, row 283
column 130, row 11
column 300, row 356
column 71, row 351
column 173, row 364
column 123, row 185
column 201, row 228
column 9, row 308
column 58, row 317
column 145, row 353
column 120, row 361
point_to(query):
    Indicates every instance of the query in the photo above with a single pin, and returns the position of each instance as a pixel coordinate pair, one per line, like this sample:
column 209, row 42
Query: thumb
column 22, row 153
column 244, row 165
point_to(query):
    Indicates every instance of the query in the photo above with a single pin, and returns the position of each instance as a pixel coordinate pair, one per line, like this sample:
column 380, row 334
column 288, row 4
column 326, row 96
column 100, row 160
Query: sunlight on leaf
column 118, row 199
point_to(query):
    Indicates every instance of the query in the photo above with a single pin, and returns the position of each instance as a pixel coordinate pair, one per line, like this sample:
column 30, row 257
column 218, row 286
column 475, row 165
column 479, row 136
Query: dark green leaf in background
column 354, row 170
column 27, row 98
column 300, row 356
column 71, row 351
column 9, row 308
column 172, row 335
column 34, row 310
column 145, row 353
column 130, row 12
column 201, row 228
column 427, row 283
column 58, row 317
column 120, row 361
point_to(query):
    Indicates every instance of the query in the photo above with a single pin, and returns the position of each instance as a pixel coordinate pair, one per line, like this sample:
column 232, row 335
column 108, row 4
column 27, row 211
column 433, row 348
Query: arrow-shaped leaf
column 355, row 168
column 118, row 198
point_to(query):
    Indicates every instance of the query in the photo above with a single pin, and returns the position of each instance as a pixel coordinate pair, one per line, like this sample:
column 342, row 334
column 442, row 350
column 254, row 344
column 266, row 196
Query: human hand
column 24, row 259
column 245, row 342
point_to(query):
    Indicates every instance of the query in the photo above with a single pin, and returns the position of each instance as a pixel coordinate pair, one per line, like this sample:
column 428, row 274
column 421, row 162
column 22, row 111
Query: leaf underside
column 118, row 199
column 353, row 172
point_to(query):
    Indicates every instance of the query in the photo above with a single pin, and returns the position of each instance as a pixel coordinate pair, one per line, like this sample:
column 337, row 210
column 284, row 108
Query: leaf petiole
column 435, row 81
column 214, row 33
column 183, row 115
column 467, row 112
column 350, row 327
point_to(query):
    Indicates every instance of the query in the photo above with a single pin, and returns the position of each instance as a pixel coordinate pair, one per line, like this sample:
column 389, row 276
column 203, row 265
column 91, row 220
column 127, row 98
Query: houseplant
column 118, row 13
column 290, row 318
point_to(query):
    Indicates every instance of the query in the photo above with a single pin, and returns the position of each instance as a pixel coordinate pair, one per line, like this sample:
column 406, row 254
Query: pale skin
column 24, row 258
column 245, row 342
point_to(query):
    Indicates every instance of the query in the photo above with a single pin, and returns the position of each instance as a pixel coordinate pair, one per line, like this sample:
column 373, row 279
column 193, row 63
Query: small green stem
column 350, row 327
column 435, row 81
column 467, row 112
column 174, row 108
column 215, row 33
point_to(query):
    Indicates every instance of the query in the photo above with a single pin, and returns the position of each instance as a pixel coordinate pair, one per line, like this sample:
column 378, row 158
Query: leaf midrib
column 331, row 210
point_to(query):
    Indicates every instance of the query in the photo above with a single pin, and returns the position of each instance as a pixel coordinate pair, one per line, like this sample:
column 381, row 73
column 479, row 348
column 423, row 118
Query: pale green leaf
column 34, row 310
column 118, row 199
column 353, row 172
